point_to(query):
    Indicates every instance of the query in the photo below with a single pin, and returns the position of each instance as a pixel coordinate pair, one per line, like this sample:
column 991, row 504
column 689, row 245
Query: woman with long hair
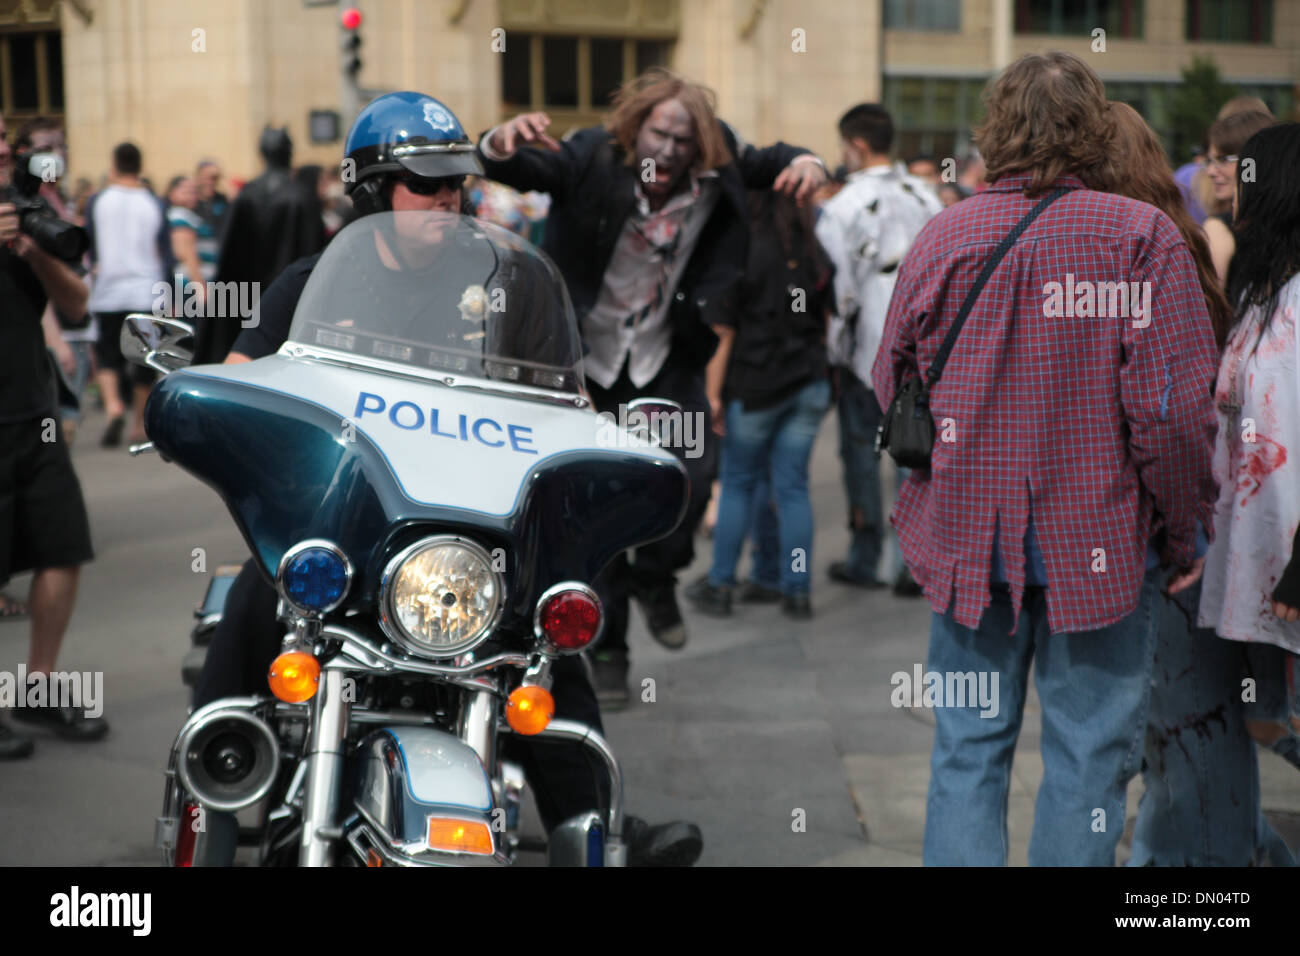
column 1137, row 167
column 1259, row 394
column 1202, row 801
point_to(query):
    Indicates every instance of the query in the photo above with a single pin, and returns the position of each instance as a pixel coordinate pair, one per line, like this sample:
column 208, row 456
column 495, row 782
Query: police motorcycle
column 421, row 472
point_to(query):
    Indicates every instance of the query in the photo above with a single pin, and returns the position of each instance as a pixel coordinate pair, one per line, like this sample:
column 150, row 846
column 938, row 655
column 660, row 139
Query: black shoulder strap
column 949, row 340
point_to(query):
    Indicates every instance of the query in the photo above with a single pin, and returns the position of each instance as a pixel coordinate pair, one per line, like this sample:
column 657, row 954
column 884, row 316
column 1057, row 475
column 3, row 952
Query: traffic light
column 351, row 42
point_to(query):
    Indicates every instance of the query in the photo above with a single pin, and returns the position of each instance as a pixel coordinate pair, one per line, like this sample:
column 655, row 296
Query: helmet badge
column 439, row 118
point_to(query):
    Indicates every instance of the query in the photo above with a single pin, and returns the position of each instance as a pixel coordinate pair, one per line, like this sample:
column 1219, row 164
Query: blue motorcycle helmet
column 404, row 133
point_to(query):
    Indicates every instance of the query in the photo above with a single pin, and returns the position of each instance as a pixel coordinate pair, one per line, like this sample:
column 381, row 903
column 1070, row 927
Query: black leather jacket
column 592, row 191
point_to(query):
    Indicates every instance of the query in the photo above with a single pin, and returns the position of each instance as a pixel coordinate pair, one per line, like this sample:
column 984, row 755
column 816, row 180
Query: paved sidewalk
column 760, row 717
column 757, row 724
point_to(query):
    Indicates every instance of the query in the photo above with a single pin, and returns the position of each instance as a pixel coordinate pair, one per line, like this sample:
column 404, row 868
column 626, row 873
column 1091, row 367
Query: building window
column 1230, row 21
column 923, row 15
column 1279, row 99
column 31, row 74
column 573, row 74
column 1155, row 102
column 1121, row 19
column 560, row 72
column 933, row 115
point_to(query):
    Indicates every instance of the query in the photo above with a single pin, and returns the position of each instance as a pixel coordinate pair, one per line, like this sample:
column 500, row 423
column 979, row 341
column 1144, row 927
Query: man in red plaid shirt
column 1070, row 472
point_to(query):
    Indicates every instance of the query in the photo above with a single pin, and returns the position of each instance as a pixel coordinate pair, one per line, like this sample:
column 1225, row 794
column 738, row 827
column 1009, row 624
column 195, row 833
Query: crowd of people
column 1109, row 499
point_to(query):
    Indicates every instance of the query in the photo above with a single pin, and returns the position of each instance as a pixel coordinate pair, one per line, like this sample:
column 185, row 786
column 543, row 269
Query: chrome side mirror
column 157, row 343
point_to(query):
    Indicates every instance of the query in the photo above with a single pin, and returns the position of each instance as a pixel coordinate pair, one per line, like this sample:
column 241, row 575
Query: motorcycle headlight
column 440, row 596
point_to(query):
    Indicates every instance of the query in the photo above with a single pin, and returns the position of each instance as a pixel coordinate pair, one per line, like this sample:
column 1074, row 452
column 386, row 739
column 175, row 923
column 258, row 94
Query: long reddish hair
column 1138, row 168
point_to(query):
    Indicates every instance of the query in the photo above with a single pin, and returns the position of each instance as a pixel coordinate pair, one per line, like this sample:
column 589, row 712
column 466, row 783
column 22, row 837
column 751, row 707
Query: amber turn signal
column 294, row 677
column 530, row 709
column 460, row 836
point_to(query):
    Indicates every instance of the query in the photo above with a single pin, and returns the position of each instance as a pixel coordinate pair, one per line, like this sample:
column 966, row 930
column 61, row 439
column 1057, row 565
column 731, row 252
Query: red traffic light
column 351, row 18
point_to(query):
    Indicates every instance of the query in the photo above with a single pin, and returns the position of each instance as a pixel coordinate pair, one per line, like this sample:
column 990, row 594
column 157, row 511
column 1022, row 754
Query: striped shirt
column 178, row 217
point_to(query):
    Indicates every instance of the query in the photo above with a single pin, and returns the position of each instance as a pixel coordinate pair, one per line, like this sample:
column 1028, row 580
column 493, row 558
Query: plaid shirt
column 1102, row 427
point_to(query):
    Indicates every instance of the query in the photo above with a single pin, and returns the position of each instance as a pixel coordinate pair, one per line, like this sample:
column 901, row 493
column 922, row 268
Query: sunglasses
column 426, row 186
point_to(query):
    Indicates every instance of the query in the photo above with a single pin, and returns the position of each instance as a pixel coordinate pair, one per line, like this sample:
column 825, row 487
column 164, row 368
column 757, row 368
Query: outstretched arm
column 792, row 170
column 552, row 168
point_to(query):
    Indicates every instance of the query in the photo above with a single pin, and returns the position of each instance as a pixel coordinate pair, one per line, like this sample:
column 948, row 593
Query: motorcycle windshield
column 443, row 294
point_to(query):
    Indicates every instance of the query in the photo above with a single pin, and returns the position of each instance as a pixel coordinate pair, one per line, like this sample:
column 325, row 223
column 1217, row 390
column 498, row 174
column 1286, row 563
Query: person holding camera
column 43, row 522
column 71, row 338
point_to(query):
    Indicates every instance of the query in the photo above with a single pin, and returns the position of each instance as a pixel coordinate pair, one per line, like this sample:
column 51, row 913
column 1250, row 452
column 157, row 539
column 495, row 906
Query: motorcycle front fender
column 406, row 777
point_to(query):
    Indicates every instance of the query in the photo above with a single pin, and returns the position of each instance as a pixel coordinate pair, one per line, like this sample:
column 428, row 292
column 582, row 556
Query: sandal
column 11, row 609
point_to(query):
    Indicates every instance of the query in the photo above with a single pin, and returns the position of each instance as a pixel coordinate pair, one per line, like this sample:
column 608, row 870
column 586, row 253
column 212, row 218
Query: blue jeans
column 1093, row 687
column 765, row 539
column 775, row 442
column 860, row 416
column 1202, row 802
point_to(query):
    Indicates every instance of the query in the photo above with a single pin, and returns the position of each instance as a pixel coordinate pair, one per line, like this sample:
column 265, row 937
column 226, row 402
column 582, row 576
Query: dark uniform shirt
column 274, row 312
column 410, row 305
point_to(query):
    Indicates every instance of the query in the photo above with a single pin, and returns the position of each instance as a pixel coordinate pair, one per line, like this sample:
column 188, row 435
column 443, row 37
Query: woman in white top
column 1257, row 457
column 1220, row 688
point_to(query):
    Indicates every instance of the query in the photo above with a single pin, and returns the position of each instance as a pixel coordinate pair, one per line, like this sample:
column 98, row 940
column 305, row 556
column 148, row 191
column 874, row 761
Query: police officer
column 425, row 174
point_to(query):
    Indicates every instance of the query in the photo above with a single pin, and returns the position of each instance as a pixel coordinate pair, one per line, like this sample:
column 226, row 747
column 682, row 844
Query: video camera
column 35, row 217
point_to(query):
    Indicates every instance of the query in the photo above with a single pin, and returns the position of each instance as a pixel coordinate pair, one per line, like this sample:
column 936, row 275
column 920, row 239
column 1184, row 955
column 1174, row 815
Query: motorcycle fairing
column 269, row 437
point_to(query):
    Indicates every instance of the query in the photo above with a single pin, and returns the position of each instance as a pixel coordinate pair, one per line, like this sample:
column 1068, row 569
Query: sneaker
column 712, row 600
column 751, row 592
column 71, row 723
column 797, row 606
column 906, row 586
column 13, row 745
column 609, row 675
column 696, row 588
column 844, row 572
column 666, row 844
column 659, row 603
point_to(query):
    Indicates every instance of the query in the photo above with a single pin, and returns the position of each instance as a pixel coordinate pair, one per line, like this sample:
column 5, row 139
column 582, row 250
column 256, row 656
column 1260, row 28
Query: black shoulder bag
column 907, row 430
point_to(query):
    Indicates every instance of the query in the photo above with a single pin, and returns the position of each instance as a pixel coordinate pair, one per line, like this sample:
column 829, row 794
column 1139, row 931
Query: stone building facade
column 198, row 78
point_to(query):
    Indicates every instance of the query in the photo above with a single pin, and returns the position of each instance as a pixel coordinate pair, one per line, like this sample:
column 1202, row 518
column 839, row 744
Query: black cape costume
column 272, row 223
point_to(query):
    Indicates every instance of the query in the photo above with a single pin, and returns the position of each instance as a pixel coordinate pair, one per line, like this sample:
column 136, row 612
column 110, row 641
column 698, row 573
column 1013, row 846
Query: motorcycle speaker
column 229, row 759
